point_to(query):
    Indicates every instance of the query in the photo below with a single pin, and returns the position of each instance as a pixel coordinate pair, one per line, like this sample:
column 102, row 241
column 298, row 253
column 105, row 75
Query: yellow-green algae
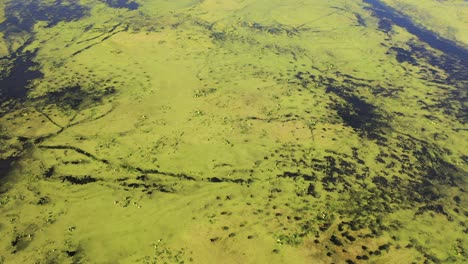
column 233, row 132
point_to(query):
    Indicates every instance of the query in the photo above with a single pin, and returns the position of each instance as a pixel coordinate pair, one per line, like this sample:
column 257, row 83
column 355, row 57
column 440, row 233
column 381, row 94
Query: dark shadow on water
column 14, row 84
column 403, row 55
column 130, row 5
column 5, row 166
column 355, row 111
column 23, row 15
column 359, row 114
column 67, row 98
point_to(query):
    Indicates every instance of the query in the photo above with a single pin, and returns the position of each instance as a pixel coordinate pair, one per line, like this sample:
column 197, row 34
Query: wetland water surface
column 237, row 131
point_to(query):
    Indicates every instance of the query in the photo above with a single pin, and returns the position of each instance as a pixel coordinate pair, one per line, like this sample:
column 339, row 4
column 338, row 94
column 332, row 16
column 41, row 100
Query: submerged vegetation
column 233, row 131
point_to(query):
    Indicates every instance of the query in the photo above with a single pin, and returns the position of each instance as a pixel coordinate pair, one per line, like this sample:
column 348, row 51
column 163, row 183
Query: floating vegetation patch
column 320, row 132
column 372, row 195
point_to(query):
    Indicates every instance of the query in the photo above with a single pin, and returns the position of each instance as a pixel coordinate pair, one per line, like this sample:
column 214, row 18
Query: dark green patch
column 80, row 180
column 403, row 55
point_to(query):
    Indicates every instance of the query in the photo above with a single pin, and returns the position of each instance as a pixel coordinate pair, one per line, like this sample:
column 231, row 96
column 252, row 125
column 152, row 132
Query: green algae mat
column 234, row 131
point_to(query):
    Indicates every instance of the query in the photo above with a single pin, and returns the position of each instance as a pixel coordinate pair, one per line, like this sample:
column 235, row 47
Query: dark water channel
column 454, row 58
column 448, row 47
